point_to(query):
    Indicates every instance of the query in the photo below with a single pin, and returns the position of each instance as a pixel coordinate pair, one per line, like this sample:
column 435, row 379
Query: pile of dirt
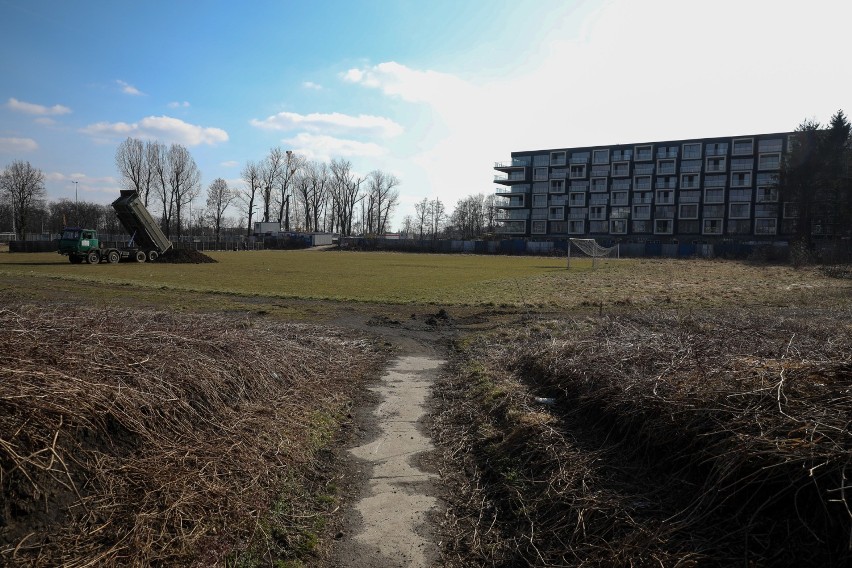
column 139, row 438
column 184, row 256
column 653, row 439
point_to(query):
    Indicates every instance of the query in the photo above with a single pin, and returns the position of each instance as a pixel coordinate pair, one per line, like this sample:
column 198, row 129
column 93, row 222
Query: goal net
column 590, row 248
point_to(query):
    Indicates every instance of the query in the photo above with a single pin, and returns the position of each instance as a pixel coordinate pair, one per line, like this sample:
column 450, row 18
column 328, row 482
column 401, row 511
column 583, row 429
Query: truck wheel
column 74, row 259
column 113, row 257
column 93, row 257
column 153, row 255
column 140, row 256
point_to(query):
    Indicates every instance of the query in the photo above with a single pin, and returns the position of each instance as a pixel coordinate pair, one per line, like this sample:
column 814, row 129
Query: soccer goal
column 590, row 248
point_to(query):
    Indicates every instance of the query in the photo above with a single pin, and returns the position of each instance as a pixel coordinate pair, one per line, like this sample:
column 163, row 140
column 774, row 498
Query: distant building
column 704, row 189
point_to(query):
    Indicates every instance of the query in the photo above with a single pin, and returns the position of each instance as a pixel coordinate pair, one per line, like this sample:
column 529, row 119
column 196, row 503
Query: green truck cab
column 82, row 245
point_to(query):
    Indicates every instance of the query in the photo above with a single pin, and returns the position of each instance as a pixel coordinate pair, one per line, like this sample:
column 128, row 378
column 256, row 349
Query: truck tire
column 140, row 256
column 153, row 255
column 74, row 259
column 93, row 257
column 113, row 257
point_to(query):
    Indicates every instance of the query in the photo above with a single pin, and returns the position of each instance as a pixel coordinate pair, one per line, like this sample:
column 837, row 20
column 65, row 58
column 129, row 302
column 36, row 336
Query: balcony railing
column 513, row 189
column 513, row 163
column 513, row 176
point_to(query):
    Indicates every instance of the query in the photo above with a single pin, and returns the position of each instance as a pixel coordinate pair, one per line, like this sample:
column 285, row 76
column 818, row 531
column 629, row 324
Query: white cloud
column 16, row 145
column 127, row 88
column 160, row 128
column 230, row 164
column 45, row 121
column 324, row 148
column 176, row 104
column 313, row 86
column 39, row 110
column 331, row 123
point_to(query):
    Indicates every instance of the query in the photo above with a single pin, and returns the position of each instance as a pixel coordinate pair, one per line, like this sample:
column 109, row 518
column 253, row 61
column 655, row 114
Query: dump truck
column 147, row 241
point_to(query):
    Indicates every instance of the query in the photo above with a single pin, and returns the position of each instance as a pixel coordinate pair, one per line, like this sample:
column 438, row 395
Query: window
column 743, row 146
column 739, row 226
column 580, row 158
column 739, row 195
column 714, row 195
column 772, row 145
column 670, row 152
column 667, row 182
column 577, row 227
column 619, row 155
column 619, row 213
column 765, row 226
column 558, row 159
column 663, row 227
column 642, row 182
column 644, row 153
column 598, row 226
column 713, row 211
column 597, row 213
column 598, row 184
column 714, row 181
column 712, row 227
column 766, row 210
column 577, row 171
column 619, row 198
column 769, row 161
column 558, row 227
column 739, row 210
column 642, row 226
column 598, row 199
column 767, row 194
column 665, row 197
column 643, row 169
column 540, row 187
column 690, row 196
column 691, row 150
column 767, row 178
column 740, row 164
column 600, row 170
column 690, row 166
column 664, row 212
column 715, row 164
column 621, row 183
column 688, row 211
column 620, row 169
column 541, row 160
column 740, row 179
column 539, row 227
column 643, row 197
column 689, row 226
column 716, row 148
column 579, row 186
column 690, row 181
column 540, row 174
column 600, row 156
column 557, row 186
column 618, row 226
column 556, row 214
column 665, row 167
column 577, row 199
column 641, row 211
column 557, row 173
column 539, row 201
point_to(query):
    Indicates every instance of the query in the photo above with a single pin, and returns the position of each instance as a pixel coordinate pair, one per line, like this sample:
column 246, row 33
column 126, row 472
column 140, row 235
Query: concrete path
column 398, row 495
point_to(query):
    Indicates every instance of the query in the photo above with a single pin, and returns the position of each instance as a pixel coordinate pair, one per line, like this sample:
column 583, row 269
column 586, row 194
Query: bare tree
column 251, row 175
column 219, row 197
column 23, row 186
column 292, row 163
column 383, row 198
column 271, row 170
column 437, row 216
column 421, row 210
column 185, row 180
column 158, row 162
column 320, row 180
column 346, row 194
column 136, row 163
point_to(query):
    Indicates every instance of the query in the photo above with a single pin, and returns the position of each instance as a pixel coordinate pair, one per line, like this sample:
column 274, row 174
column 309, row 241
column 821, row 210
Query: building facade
column 700, row 190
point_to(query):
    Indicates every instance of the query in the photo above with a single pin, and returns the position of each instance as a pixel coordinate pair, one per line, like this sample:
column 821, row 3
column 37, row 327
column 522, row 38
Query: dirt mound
column 184, row 256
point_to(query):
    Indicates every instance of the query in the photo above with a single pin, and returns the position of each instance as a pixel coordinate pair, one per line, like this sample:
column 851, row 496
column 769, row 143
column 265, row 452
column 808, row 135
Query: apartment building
column 702, row 189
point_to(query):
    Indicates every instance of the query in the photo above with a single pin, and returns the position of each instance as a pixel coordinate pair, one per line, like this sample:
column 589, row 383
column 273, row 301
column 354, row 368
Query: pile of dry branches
column 656, row 439
column 136, row 438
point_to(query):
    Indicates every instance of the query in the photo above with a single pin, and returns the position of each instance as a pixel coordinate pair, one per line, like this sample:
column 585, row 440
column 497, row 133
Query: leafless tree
column 437, row 216
column 421, row 211
column 23, row 186
column 219, row 197
column 383, row 198
column 251, row 175
column 346, row 194
column 135, row 161
column 158, row 162
column 292, row 163
column 271, row 171
column 185, row 180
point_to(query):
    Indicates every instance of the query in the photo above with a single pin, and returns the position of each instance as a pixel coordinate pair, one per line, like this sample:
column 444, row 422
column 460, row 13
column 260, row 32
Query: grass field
column 446, row 280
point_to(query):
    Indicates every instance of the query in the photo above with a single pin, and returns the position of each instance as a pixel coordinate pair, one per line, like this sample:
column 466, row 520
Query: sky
column 432, row 92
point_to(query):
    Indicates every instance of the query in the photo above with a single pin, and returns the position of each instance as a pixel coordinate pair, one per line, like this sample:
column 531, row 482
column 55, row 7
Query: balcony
column 579, row 160
column 663, row 184
column 514, row 189
column 514, row 163
column 661, row 153
column 692, row 167
column 643, row 169
column 558, row 174
column 511, row 178
column 513, row 215
column 644, row 156
column 643, row 200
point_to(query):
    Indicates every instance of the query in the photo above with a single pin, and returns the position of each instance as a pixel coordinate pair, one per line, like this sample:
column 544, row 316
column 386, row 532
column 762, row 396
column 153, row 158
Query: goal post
column 591, row 248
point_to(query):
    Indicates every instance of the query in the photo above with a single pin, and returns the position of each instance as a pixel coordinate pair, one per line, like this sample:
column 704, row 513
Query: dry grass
column 132, row 438
column 663, row 439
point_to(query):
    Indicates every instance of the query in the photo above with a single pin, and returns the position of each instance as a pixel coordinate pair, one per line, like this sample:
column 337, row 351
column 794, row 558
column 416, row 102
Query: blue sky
column 434, row 92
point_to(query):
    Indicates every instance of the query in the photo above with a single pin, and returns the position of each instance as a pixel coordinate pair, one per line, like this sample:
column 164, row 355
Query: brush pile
column 131, row 438
column 654, row 440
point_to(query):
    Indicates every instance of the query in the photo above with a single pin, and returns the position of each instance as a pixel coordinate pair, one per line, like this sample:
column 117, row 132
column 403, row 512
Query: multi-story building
column 701, row 189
